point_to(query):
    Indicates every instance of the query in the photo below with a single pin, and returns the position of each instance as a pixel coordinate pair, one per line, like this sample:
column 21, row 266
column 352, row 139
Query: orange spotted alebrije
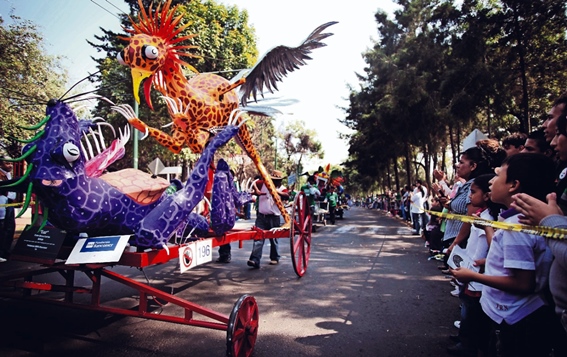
column 203, row 104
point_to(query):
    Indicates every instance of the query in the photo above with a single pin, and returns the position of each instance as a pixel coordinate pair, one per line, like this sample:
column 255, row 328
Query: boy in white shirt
column 517, row 267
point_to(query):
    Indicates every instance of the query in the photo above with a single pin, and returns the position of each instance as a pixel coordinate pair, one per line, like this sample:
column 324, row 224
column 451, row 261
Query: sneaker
column 455, row 292
column 253, row 264
column 446, row 271
column 224, row 260
column 274, row 262
column 3, row 260
column 457, row 324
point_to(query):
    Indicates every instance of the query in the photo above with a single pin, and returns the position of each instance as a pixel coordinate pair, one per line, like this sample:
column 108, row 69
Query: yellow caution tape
column 547, row 232
column 16, row 204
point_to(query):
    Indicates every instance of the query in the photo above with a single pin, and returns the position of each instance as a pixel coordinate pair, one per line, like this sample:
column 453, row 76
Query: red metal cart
column 242, row 323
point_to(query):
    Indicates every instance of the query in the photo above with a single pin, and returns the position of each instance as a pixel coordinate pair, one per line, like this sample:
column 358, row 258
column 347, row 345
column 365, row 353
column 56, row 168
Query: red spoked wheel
column 300, row 233
column 242, row 327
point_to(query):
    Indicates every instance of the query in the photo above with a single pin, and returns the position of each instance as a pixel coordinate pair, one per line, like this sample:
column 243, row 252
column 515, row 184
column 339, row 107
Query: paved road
column 369, row 291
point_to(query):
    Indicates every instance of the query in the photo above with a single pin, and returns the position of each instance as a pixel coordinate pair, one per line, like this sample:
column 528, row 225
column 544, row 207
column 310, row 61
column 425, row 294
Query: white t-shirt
column 417, row 201
column 11, row 194
column 477, row 245
column 266, row 205
column 515, row 250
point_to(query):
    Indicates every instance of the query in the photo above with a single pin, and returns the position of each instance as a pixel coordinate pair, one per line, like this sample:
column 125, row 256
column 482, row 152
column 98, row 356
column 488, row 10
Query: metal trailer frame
column 241, row 325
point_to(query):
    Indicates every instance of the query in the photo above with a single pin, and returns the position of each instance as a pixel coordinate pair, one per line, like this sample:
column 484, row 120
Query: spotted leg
column 159, row 225
column 245, row 142
column 174, row 144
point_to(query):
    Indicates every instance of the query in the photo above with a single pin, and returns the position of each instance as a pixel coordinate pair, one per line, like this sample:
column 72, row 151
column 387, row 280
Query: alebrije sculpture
column 205, row 101
column 225, row 199
column 78, row 203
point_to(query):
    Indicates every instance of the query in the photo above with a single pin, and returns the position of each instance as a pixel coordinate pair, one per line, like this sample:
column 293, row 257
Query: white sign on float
column 98, row 250
column 195, row 253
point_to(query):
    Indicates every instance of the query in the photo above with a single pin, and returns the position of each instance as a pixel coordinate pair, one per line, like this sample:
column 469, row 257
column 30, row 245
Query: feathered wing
column 280, row 61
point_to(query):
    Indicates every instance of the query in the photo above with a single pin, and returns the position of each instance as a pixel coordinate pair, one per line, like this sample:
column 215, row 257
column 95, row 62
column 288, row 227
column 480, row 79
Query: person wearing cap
column 7, row 214
column 267, row 217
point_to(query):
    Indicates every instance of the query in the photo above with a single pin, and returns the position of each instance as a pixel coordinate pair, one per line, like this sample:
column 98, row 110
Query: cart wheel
column 300, row 234
column 242, row 327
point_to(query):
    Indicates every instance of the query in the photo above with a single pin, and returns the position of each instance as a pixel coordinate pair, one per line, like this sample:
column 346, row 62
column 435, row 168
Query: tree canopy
column 441, row 68
column 299, row 144
column 28, row 79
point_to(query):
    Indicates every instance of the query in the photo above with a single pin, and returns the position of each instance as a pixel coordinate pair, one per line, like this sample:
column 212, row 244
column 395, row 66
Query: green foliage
column 440, row 69
column 299, row 144
column 28, row 79
column 226, row 45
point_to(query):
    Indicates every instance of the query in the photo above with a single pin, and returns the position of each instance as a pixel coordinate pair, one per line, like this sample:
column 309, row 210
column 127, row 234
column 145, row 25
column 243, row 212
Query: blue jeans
column 416, row 219
column 419, row 221
column 265, row 222
column 247, row 209
column 224, row 251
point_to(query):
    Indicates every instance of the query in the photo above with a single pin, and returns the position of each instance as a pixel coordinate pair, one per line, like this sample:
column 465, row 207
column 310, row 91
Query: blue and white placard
column 98, row 250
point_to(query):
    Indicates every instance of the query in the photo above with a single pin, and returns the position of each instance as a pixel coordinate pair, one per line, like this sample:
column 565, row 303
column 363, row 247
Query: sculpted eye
column 71, row 152
column 120, row 58
column 149, row 52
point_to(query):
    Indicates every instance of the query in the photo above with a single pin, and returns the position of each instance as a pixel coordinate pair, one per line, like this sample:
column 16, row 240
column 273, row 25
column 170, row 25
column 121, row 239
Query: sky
column 319, row 88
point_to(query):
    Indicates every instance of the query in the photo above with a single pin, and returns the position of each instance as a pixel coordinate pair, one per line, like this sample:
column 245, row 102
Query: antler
column 278, row 62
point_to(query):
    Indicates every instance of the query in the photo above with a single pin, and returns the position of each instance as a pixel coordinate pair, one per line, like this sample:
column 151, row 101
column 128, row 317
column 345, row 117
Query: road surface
column 369, row 290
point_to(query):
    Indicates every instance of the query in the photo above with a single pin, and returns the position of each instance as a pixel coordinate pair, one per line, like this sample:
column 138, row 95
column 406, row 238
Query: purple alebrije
column 81, row 204
column 154, row 230
column 77, row 203
column 198, row 224
column 223, row 212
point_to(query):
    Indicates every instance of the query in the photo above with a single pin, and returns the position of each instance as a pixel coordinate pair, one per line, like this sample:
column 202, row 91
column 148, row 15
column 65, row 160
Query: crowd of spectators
column 511, row 284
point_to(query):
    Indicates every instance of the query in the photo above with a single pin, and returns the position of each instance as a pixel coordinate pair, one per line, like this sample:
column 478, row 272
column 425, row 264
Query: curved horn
column 37, row 126
column 23, row 178
column 164, row 246
column 24, row 156
column 45, row 218
column 27, row 201
column 27, row 141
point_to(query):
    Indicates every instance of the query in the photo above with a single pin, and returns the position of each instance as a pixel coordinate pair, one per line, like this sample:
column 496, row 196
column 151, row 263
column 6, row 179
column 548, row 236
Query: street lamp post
column 135, row 139
column 276, row 152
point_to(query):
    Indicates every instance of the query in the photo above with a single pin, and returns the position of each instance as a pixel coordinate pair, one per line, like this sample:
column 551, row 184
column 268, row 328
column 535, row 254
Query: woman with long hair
column 475, row 161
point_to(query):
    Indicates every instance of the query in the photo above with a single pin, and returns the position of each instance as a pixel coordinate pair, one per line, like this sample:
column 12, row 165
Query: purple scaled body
column 78, row 203
column 159, row 224
column 225, row 199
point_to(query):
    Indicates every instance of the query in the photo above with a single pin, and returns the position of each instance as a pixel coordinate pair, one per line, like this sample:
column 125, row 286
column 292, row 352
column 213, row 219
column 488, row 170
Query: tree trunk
column 444, row 158
column 488, row 128
column 388, row 178
column 525, row 121
column 427, row 162
column 454, row 150
column 408, row 163
column 397, row 175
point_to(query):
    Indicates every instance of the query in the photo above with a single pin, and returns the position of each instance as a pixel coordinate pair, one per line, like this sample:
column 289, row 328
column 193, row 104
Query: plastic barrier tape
column 548, row 232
